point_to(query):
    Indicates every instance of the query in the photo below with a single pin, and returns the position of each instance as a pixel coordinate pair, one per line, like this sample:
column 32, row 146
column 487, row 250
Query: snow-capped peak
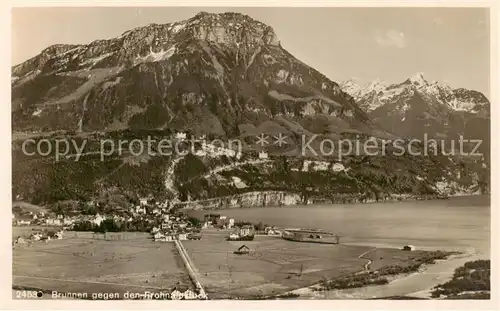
column 376, row 85
column 357, row 89
column 418, row 79
column 372, row 95
column 351, row 86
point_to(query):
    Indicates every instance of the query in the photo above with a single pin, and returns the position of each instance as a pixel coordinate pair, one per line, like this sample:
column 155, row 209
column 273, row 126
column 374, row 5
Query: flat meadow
column 76, row 264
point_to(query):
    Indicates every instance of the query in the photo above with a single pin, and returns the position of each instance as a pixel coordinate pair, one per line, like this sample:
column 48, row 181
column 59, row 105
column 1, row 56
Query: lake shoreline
column 315, row 291
column 348, row 200
column 461, row 224
column 391, row 201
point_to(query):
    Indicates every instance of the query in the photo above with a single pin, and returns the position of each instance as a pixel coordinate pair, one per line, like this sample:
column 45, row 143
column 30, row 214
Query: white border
column 5, row 192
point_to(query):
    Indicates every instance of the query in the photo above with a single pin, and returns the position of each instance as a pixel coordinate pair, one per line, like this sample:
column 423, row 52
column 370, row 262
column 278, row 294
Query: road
column 192, row 271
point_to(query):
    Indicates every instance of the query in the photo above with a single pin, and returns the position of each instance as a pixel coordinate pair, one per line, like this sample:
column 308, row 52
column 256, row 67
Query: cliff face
column 249, row 199
column 281, row 198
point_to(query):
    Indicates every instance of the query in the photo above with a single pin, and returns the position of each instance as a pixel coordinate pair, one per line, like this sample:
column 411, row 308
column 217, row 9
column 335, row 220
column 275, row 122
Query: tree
column 260, row 226
column 194, row 221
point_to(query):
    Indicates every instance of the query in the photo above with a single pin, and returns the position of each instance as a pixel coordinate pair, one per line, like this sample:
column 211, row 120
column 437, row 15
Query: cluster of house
column 218, row 221
column 175, row 228
column 43, row 235
column 242, row 233
column 273, row 231
column 41, row 218
column 207, row 149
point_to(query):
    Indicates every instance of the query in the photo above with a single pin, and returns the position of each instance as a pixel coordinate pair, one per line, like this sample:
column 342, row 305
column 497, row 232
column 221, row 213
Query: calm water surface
column 460, row 223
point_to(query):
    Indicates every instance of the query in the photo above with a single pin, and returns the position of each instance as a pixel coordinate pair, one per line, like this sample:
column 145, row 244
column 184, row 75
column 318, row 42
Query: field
column 134, row 264
column 275, row 266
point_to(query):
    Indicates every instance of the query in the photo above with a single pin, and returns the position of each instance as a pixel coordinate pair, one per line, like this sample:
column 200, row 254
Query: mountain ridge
column 213, row 62
column 458, row 99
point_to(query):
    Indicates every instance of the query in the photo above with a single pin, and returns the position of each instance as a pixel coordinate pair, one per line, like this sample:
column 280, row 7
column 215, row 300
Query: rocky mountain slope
column 416, row 107
column 213, row 73
column 220, row 75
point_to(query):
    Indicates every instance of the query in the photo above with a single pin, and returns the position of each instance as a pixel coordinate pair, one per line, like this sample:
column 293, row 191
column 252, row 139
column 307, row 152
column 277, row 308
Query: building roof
column 243, row 247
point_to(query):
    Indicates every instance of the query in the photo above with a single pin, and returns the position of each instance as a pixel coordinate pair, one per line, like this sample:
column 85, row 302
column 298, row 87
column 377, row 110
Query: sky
column 449, row 45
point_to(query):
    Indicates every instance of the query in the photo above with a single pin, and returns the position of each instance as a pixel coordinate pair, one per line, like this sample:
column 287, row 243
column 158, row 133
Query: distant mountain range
column 373, row 95
column 416, row 107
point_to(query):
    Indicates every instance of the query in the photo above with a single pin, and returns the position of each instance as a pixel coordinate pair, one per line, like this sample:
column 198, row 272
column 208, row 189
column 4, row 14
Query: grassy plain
column 134, row 263
column 275, row 266
column 97, row 265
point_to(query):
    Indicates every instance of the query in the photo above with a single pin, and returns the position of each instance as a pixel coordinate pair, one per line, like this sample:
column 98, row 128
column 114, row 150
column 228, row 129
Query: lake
column 459, row 223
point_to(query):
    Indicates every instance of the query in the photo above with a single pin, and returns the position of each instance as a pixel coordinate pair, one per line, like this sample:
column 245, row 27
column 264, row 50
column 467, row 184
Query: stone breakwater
column 284, row 198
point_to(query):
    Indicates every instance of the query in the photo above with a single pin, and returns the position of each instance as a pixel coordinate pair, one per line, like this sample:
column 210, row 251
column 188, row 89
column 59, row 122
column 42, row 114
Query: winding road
column 367, row 265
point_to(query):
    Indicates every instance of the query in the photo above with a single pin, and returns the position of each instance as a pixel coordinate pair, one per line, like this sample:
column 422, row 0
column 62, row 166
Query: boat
column 240, row 238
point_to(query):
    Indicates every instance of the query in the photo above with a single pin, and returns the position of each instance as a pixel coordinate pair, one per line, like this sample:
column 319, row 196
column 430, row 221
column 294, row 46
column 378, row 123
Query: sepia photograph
column 251, row 153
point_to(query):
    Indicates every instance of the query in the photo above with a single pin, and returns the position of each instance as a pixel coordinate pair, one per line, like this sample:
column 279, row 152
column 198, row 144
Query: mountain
column 213, row 73
column 221, row 75
column 416, row 107
column 377, row 93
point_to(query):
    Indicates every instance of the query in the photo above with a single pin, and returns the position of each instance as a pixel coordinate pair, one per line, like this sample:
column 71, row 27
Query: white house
column 23, row 222
column 97, row 219
column 164, row 204
column 169, row 238
column 53, row 222
column 337, row 167
column 67, row 221
column 263, row 155
column 166, row 217
column 58, row 235
column 180, row 135
column 246, row 230
column 36, row 236
column 158, row 236
column 182, row 236
column 143, row 201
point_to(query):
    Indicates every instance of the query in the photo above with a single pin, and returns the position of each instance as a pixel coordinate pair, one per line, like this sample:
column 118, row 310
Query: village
column 210, row 255
column 161, row 221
